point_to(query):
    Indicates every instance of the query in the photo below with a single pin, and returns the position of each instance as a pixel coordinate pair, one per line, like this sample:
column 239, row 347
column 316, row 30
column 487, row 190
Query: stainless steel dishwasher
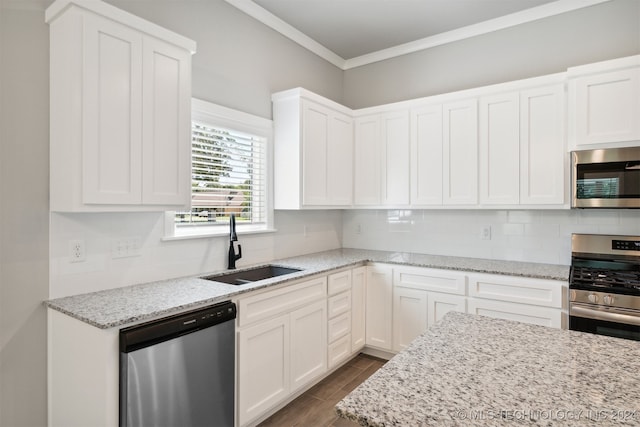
column 179, row 371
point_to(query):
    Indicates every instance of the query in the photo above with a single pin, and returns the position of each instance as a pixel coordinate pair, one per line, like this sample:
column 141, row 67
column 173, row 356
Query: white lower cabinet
column 416, row 305
column 263, row 367
column 308, row 343
column 358, row 304
column 279, row 355
column 379, row 306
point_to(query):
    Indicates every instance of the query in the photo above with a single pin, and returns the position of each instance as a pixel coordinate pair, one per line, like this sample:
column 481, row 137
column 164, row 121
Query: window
column 230, row 153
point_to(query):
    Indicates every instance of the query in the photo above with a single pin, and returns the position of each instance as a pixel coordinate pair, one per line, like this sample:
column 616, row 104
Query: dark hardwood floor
column 314, row 408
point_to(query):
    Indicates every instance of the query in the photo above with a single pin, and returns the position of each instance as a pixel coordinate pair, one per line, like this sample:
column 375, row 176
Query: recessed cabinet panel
column 379, row 306
column 367, row 161
column 316, row 138
column 606, row 107
column 460, row 153
column 358, row 302
column 340, row 161
column 166, row 124
column 263, row 359
column 112, row 100
column 500, row 149
column 409, row 315
column 542, row 148
column 426, row 156
column 308, row 344
column 395, row 138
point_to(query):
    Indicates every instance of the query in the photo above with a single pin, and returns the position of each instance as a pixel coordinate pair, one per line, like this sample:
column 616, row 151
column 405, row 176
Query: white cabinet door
column 263, row 367
column 379, row 306
column 605, row 107
column 111, row 113
column 500, row 149
column 426, row 155
column 367, row 161
column 340, row 161
column 409, row 315
column 166, row 124
column 395, row 162
column 308, row 344
column 440, row 304
column 542, row 146
column 315, row 137
column 358, row 303
column 534, row 315
column 460, row 153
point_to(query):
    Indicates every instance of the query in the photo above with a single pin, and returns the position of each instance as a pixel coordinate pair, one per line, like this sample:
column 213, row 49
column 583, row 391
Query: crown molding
column 544, row 11
column 267, row 18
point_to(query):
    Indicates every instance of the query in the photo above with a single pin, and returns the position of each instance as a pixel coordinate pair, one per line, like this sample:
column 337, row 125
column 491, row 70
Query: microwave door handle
column 610, row 315
column 632, row 166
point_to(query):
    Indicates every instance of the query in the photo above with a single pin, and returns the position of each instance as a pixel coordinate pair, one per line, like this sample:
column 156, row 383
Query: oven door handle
column 610, row 314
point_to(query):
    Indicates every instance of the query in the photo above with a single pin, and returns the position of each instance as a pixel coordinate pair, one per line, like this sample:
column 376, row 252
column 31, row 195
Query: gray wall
column 605, row 31
column 24, row 232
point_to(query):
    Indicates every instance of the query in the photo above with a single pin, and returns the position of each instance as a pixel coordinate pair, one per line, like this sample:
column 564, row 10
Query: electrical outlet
column 485, row 233
column 358, row 229
column 305, row 231
column 76, row 250
column 125, row 247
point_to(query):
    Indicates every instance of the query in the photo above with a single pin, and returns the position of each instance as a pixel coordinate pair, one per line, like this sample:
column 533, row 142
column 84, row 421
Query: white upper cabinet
column 367, row 161
column 604, row 103
column 395, row 162
column 460, row 152
column 313, row 151
column 382, row 159
column 543, row 153
column 426, row 155
column 120, row 111
column 500, row 149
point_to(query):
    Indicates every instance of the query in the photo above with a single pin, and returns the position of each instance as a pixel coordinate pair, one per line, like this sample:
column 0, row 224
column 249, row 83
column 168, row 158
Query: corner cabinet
column 604, row 103
column 120, row 94
column 313, row 151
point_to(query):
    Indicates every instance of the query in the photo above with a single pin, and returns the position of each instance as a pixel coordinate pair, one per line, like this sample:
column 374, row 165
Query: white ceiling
column 351, row 33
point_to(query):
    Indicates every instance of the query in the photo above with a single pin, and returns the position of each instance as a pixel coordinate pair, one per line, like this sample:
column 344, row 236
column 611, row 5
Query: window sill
column 208, row 232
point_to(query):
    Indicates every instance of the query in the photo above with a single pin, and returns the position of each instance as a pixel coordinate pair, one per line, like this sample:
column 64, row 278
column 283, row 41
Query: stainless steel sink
column 251, row 275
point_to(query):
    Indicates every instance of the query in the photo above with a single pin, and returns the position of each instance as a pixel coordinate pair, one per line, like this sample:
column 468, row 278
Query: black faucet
column 233, row 237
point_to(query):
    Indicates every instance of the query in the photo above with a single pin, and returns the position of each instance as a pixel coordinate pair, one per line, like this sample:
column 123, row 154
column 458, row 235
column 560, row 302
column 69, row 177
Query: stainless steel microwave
column 607, row 178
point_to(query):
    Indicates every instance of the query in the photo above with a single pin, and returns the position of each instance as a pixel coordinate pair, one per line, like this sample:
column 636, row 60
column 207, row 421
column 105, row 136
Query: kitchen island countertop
column 471, row 370
column 129, row 304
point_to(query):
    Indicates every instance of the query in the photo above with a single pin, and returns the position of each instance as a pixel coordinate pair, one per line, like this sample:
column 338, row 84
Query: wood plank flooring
column 315, row 408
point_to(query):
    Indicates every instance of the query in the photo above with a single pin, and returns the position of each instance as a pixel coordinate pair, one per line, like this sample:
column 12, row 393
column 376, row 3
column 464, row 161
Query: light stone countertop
column 126, row 305
column 470, row 370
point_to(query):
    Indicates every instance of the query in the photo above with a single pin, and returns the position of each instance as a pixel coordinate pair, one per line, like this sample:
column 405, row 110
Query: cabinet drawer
column 339, row 282
column 429, row 279
column 339, row 304
column 339, row 350
column 264, row 305
column 546, row 293
column 339, row 327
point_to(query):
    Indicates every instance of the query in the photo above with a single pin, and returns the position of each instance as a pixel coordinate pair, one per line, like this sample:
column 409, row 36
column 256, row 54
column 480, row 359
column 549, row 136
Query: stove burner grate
column 603, row 278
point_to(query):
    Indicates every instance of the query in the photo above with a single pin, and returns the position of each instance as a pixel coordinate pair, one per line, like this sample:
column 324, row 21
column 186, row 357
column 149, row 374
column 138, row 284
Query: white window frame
column 223, row 117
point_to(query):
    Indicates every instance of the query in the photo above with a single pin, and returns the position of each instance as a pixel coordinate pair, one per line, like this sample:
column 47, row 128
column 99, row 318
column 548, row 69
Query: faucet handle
column 239, row 254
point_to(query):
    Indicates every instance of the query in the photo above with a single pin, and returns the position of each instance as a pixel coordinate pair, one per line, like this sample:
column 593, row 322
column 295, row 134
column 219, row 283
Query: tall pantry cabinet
column 120, row 111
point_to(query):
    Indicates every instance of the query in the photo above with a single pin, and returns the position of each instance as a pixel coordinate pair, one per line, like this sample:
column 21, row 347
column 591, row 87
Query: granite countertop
column 471, row 370
column 122, row 306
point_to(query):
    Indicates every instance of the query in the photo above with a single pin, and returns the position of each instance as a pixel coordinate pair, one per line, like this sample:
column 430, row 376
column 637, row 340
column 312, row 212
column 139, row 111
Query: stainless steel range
column 604, row 285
